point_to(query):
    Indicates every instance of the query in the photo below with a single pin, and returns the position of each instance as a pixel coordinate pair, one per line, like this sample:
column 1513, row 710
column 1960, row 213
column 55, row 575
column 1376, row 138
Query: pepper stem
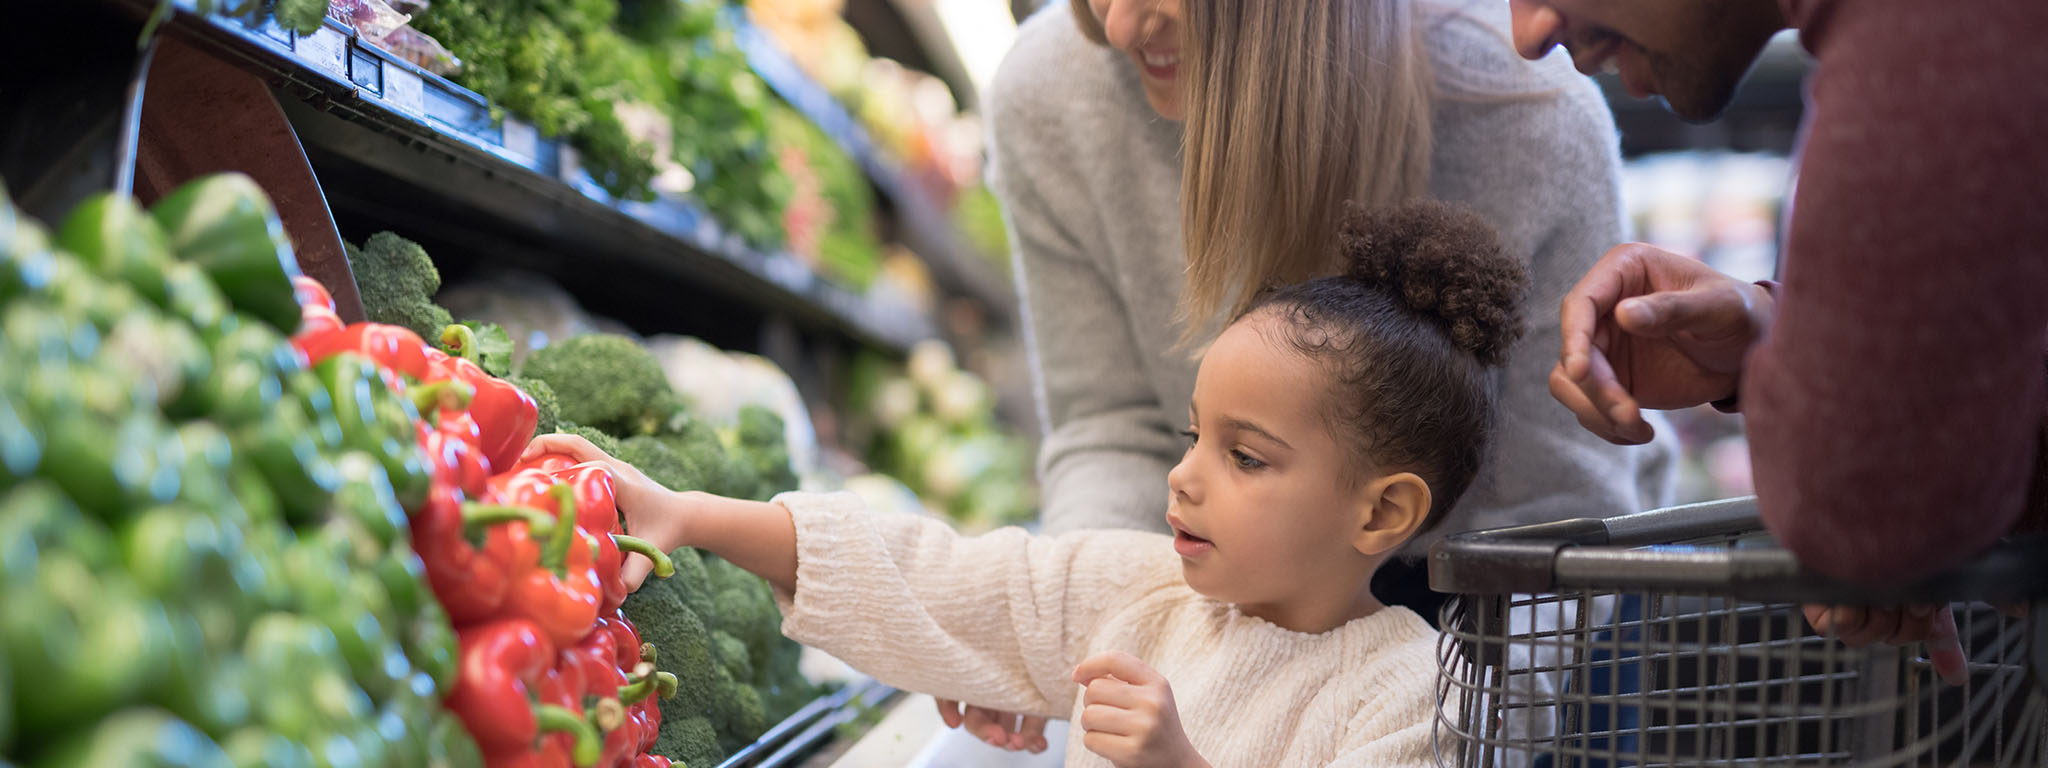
column 446, row 394
column 663, row 567
column 485, row 515
column 665, row 685
column 639, row 690
column 647, row 652
column 609, row 714
column 460, row 341
column 556, row 556
column 552, row 718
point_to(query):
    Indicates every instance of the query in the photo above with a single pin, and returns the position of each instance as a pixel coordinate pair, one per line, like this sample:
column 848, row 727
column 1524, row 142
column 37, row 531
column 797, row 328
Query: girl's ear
column 1390, row 510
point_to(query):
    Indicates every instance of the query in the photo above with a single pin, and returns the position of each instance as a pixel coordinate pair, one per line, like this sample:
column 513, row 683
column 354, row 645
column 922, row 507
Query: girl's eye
column 1245, row 461
column 1190, row 436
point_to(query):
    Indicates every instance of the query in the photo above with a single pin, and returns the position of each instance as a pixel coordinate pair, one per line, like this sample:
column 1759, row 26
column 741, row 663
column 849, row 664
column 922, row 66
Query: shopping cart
column 1674, row 637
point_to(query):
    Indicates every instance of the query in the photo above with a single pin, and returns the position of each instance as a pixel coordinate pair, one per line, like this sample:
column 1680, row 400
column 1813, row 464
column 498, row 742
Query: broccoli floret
column 703, row 665
column 689, row 741
column 763, row 449
column 604, row 442
column 397, row 282
column 657, row 460
column 543, row 402
column 604, row 381
column 733, row 654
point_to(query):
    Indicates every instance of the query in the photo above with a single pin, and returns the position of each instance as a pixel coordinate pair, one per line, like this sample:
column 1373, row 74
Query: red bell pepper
column 651, row 761
column 506, row 414
column 391, row 347
column 558, row 588
column 316, row 307
column 498, row 691
column 611, row 559
column 449, row 436
column 597, row 665
column 470, row 583
column 597, row 505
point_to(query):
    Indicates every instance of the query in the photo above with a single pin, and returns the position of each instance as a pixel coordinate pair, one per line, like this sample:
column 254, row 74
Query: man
column 1893, row 384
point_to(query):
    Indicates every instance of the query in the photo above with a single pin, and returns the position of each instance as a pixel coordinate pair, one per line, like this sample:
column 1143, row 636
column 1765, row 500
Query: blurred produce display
column 229, row 546
column 652, row 93
column 933, row 426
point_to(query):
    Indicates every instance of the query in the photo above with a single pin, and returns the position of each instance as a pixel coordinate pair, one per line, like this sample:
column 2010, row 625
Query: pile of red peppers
column 525, row 557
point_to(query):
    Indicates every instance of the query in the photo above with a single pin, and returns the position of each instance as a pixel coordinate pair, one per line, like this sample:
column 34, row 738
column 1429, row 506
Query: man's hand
column 1128, row 716
column 1004, row 730
column 1647, row 328
column 1859, row 626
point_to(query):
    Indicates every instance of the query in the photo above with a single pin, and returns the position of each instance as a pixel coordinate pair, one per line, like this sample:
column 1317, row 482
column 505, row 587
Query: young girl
column 1331, row 421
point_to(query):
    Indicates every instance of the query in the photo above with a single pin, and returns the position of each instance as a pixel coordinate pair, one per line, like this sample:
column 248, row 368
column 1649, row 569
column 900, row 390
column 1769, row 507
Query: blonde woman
column 1162, row 161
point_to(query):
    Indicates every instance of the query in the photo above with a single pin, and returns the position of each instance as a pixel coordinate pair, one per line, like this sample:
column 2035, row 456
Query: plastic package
column 421, row 49
column 717, row 384
column 373, row 19
column 532, row 309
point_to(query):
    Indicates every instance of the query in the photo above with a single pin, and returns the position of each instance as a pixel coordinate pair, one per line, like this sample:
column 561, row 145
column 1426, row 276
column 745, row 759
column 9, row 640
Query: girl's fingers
column 1116, row 721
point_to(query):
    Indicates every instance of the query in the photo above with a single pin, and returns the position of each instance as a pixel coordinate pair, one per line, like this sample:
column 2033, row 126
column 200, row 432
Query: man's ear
column 1390, row 510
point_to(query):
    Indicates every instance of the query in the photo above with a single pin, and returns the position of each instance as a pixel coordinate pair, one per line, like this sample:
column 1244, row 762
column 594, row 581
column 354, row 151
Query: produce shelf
column 922, row 225
column 391, row 138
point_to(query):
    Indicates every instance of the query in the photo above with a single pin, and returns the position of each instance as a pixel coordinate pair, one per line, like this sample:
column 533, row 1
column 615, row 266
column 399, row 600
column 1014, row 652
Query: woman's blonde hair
column 1282, row 99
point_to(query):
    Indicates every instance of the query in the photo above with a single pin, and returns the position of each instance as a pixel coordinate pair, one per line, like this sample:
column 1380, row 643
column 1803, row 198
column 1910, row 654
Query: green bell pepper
column 256, row 747
column 226, row 225
column 192, row 297
column 377, row 421
column 449, row 745
column 184, row 557
column 206, row 688
column 21, row 441
column 303, row 387
column 137, row 738
column 35, row 329
column 119, row 241
column 36, row 517
column 113, row 467
column 83, row 297
column 432, row 646
column 404, row 577
column 300, row 688
column 365, row 504
column 80, row 644
column 163, row 353
column 246, row 383
column 284, row 448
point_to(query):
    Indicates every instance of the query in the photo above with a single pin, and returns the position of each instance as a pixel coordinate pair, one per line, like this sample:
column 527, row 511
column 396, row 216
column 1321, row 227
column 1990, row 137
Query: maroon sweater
column 1895, row 410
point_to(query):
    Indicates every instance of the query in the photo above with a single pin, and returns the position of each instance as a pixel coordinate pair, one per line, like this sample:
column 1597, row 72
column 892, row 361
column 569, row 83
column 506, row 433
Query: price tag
column 326, row 52
column 404, row 91
column 522, row 139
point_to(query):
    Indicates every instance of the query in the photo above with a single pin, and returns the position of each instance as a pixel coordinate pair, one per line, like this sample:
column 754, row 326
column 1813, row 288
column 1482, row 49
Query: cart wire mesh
column 1675, row 637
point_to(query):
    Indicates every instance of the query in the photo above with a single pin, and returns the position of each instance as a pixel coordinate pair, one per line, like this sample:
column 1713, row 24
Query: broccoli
column 687, row 647
column 301, row 16
column 397, row 282
column 605, row 381
column 543, row 402
column 603, row 441
column 657, row 460
column 764, row 451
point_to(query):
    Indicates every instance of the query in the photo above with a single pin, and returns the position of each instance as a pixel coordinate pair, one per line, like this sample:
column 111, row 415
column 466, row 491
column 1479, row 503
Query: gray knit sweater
column 1089, row 177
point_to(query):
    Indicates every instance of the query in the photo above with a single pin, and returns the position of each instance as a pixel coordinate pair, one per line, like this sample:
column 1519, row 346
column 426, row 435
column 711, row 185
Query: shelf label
column 405, row 92
column 522, row 139
column 326, row 52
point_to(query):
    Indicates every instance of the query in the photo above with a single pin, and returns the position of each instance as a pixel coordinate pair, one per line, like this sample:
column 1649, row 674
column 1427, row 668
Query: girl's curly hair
column 1427, row 302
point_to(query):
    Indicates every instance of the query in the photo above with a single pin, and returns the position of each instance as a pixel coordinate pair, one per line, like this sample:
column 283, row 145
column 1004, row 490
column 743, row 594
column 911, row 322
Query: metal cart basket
column 1675, row 637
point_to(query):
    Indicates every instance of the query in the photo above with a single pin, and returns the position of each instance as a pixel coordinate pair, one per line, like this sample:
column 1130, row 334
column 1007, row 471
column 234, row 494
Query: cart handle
column 1637, row 552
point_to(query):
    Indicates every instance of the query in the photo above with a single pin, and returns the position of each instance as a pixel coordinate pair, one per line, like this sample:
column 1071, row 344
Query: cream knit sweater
column 1001, row 620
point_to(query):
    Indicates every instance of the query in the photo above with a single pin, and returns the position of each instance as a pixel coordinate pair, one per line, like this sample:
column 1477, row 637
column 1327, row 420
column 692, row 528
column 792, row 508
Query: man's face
column 1691, row 53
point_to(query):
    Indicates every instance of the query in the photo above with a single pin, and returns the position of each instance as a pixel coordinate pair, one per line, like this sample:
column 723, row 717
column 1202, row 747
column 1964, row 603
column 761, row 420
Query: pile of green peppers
column 204, row 557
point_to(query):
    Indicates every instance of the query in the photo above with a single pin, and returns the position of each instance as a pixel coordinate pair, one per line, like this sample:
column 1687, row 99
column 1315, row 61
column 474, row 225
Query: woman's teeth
column 1160, row 60
column 1612, row 65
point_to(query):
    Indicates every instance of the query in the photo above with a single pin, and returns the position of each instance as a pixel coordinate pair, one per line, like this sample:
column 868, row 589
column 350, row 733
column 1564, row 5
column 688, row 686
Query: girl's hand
column 1128, row 714
column 652, row 512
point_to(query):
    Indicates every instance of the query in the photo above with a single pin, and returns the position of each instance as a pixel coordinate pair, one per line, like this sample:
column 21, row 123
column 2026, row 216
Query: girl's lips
column 1190, row 546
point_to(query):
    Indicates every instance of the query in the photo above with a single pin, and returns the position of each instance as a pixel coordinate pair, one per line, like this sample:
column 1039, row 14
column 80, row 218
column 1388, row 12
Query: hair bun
column 1444, row 261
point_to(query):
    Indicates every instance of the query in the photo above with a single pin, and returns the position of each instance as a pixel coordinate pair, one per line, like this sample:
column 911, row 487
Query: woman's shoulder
column 1488, row 92
column 1052, row 74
